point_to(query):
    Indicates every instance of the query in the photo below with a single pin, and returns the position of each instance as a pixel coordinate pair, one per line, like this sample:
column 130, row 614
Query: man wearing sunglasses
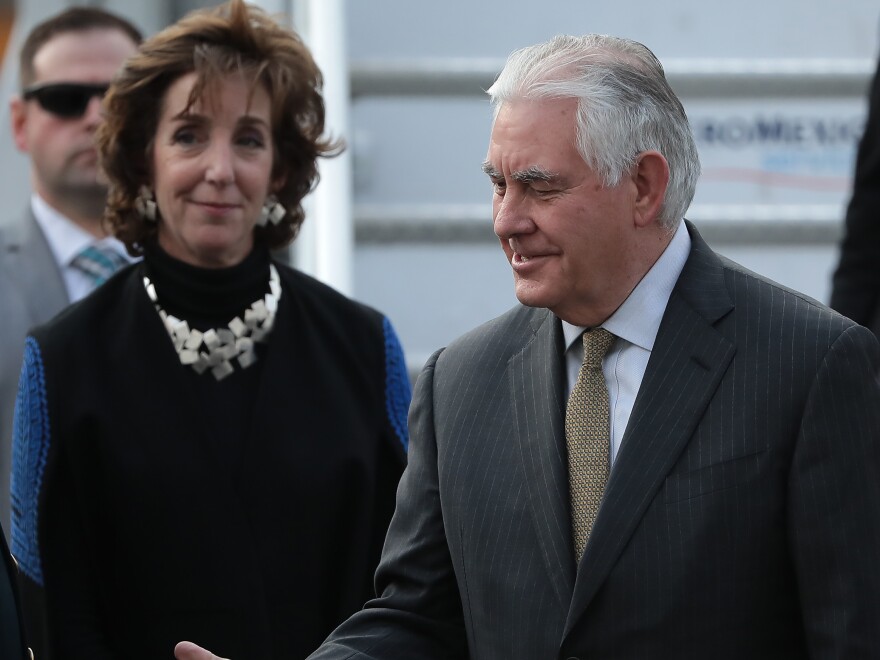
column 66, row 64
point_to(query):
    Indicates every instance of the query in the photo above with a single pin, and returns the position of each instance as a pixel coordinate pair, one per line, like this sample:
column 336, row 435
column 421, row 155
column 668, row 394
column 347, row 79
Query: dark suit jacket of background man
column 741, row 519
column 12, row 644
column 856, row 284
column 32, row 291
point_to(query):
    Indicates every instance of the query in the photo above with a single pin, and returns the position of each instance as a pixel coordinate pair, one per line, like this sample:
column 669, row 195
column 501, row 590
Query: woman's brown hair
column 234, row 38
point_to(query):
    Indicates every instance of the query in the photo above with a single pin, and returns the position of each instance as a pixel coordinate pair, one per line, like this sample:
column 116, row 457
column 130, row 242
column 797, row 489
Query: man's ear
column 651, row 177
column 18, row 115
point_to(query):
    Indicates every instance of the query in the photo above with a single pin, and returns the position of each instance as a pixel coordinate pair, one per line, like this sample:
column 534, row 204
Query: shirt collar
column 66, row 238
column 637, row 320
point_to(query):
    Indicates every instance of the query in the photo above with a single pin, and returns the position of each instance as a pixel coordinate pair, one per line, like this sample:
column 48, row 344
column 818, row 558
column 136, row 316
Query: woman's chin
column 221, row 256
column 213, row 247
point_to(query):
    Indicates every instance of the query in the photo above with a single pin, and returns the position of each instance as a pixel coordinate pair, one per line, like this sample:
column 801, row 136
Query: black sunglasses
column 68, row 100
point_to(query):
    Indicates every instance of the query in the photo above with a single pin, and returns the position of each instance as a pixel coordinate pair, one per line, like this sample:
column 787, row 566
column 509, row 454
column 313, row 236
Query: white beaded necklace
column 215, row 349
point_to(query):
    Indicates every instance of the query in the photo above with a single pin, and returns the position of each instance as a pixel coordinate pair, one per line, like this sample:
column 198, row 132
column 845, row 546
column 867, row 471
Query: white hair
column 625, row 107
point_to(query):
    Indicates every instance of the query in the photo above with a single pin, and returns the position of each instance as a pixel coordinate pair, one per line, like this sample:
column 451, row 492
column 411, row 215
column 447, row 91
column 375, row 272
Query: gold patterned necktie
column 587, row 434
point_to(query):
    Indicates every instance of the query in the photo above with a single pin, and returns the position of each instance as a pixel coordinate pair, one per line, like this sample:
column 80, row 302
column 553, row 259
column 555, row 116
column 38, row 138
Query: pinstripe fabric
column 741, row 519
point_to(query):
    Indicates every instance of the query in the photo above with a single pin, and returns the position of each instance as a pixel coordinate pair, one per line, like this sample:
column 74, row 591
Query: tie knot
column 597, row 341
column 99, row 262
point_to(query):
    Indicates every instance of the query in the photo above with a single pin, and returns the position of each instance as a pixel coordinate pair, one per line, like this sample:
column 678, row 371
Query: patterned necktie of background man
column 98, row 263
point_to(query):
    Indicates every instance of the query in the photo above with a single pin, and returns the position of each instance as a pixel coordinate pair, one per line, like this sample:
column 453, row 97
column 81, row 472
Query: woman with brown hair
column 208, row 447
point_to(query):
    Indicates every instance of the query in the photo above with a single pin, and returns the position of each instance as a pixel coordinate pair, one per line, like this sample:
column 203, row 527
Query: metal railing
column 766, row 224
column 692, row 79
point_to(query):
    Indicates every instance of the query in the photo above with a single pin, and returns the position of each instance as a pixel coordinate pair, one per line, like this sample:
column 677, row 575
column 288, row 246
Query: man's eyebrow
column 533, row 173
column 491, row 171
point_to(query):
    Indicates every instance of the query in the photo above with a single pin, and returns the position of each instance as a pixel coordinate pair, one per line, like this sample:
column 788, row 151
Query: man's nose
column 511, row 216
column 93, row 111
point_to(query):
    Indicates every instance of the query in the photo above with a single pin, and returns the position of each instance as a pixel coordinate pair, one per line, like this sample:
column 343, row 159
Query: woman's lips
column 215, row 208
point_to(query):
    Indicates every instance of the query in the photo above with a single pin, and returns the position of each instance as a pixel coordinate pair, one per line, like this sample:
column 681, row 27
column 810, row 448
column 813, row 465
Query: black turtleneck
column 210, row 298
column 207, row 295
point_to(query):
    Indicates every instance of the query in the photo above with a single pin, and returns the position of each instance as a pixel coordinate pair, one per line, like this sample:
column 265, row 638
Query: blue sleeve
column 30, row 449
column 398, row 391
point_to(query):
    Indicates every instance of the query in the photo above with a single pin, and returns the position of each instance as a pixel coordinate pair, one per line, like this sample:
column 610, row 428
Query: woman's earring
column 273, row 211
column 145, row 205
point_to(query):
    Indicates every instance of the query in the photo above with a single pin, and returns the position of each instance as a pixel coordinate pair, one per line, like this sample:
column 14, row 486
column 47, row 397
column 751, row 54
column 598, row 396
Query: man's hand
column 190, row 651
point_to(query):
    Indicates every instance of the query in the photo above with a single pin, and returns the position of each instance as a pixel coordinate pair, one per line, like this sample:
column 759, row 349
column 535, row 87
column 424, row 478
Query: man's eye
column 499, row 187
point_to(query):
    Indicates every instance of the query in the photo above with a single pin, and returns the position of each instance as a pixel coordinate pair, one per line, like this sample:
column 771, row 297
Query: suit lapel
column 33, row 267
column 536, row 390
column 686, row 365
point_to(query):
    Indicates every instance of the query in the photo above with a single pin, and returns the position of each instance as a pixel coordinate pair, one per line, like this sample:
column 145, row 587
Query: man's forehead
column 536, row 148
column 524, row 123
column 95, row 53
column 535, row 111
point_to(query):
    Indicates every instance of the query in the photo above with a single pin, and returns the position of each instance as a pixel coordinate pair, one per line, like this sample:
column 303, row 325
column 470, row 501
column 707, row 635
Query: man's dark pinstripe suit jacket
column 741, row 519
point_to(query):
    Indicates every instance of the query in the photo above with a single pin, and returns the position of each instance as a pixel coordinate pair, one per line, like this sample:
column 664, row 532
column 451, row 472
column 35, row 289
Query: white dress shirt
column 635, row 323
column 66, row 240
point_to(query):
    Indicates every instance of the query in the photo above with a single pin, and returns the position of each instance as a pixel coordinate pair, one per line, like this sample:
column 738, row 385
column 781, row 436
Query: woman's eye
column 252, row 141
column 185, row 136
